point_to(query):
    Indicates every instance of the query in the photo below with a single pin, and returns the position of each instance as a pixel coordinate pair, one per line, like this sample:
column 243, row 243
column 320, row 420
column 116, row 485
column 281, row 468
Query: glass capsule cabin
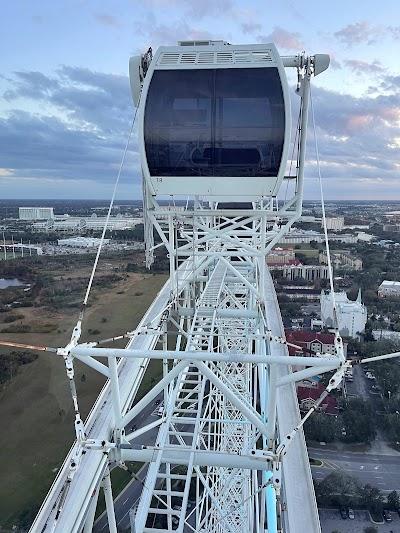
column 214, row 121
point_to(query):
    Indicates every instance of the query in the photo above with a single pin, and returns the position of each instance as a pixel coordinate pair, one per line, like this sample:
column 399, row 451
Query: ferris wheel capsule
column 214, row 119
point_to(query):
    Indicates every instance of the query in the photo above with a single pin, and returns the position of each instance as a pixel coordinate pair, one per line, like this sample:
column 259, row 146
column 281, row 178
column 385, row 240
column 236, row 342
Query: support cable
column 328, row 253
column 89, row 286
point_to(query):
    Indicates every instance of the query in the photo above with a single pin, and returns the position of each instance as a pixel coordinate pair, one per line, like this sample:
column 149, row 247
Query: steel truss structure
column 230, row 454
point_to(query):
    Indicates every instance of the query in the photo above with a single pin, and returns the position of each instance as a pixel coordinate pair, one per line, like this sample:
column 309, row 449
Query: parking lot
column 332, row 521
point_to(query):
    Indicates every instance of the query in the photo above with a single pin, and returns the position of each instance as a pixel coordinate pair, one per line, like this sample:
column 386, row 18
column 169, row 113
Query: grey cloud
column 30, row 85
column 355, row 134
column 86, row 144
column 100, row 100
column 47, row 147
column 391, row 83
column 251, row 27
column 359, row 32
column 365, row 67
column 395, row 31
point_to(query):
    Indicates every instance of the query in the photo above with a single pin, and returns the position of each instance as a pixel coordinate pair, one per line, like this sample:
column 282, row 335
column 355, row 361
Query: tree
column 393, row 500
column 358, row 421
column 338, row 489
column 372, row 499
column 321, row 427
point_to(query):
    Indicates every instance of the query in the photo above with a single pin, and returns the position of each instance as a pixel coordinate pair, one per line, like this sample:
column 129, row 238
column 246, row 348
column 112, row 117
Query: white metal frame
column 226, row 373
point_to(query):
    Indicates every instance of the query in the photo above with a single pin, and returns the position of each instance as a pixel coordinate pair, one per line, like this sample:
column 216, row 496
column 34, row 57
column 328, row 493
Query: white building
column 281, row 256
column 298, row 236
column 334, row 223
column 351, row 316
column 79, row 224
column 307, row 272
column 35, row 213
column 389, row 288
column 386, row 334
column 341, row 259
column 81, row 242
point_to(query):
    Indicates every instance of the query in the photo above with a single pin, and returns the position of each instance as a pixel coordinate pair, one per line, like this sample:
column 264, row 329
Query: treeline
column 341, row 490
column 355, row 424
column 11, row 361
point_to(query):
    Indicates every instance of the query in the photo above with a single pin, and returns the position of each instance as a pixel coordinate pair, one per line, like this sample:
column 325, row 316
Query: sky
column 66, row 109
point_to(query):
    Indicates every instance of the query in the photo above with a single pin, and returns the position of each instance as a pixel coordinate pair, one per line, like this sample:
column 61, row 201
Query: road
column 381, row 471
column 131, row 493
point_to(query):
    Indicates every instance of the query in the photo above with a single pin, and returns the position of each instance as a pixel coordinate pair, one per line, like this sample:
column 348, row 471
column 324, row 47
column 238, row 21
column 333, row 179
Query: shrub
column 17, row 328
column 12, row 318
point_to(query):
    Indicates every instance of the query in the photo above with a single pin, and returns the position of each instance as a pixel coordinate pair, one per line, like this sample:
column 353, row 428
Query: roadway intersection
column 381, row 471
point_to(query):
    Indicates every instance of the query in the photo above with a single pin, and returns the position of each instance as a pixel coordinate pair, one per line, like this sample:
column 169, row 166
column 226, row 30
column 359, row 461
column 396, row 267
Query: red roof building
column 311, row 342
column 307, row 397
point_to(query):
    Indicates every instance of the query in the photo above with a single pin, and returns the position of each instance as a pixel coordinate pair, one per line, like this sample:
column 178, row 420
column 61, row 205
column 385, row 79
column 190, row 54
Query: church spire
column 359, row 296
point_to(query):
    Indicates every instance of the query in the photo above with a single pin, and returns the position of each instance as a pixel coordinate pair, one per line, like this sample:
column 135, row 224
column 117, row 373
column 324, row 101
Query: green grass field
column 35, row 407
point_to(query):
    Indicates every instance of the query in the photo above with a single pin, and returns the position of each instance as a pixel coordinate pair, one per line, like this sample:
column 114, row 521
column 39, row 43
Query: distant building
column 316, row 323
column 334, row 223
column 351, row 315
column 307, row 397
column 81, row 242
column 281, row 256
column 311, row 342
column 391, row 227
column 307, row 272
column 365, row 237
column 35, row 213
column 300, row 293
column 81, row 224
column 298, row 236
column 389, row 289
column 386, row 334
column 342, row 259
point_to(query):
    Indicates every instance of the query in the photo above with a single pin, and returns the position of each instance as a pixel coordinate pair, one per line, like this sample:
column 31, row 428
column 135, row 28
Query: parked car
column 343, row 513
column 387, row 515
column 157, row 402
column 160, row 410
column 350, row 514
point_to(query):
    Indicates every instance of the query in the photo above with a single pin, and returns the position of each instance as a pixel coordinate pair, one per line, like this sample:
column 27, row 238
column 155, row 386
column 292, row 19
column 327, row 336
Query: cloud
column 356, row 138
column 283, row 39
column 251, row 27
column 193, row 9
column 395, row 31
column 84, row 141
column 79, row 134
column 364, row 67
column 359, row 32
column 107, row 20
column 391, row 83
column 30, row 85
column 90, row 99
